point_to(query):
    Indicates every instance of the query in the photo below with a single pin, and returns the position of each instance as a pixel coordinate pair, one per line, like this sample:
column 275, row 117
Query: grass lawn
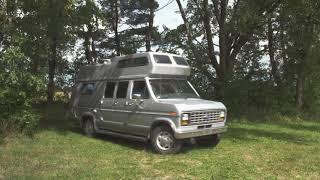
column 246, row 151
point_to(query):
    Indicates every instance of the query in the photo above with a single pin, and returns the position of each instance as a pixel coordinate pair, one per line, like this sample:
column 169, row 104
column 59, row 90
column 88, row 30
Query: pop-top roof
column 149, row 64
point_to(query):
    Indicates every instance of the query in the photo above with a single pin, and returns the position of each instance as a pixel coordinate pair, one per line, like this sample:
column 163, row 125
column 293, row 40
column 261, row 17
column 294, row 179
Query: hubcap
column 165, row 140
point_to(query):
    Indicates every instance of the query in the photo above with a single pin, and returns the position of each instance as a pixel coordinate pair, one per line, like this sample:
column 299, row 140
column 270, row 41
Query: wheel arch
column 162, row 122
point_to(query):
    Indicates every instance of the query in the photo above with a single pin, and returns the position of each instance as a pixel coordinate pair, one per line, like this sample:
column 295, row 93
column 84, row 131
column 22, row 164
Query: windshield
column 172, row 89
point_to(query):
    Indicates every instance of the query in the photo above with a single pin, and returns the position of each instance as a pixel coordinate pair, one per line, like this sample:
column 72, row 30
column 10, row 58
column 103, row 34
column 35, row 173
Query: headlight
column 185, row 119
column 222, row 115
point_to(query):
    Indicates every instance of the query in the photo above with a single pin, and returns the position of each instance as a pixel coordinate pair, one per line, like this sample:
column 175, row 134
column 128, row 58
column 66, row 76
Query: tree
column 302, row 19
column 48, row 24
column 19, row 84
column 140, row 16
column 112, row 12
column 87, row 17
column 234, row 26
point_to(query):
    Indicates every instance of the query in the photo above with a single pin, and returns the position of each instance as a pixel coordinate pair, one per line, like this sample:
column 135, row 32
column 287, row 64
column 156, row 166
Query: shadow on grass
column 314, row 127
column 245, row 134
column 137, row 145
column 56, row 118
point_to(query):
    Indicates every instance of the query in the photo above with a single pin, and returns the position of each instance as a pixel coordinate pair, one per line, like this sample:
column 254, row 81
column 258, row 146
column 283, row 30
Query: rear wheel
column 88, row 128
column 211, row 140
column 163, row 140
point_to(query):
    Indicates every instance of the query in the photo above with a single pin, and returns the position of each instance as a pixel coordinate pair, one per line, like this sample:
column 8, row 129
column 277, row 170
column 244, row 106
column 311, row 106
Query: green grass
column 246, row 151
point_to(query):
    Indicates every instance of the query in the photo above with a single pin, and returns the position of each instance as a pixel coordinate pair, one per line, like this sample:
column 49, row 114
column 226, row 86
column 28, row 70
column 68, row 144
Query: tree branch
column 207, row 26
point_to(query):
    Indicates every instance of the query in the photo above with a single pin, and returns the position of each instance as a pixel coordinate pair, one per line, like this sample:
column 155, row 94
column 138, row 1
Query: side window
column 87, row 89
column 162, row 59
column 140, row 87
column 180, row 60
column 135, row 62
column 108, row 93
column 122, row 89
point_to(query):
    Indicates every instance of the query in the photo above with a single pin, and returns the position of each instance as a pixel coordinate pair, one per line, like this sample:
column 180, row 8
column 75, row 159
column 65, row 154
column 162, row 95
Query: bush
column 18, row 90
column 23, row 121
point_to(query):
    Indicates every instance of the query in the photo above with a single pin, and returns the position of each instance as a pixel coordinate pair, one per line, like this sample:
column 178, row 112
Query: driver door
column 139, row 119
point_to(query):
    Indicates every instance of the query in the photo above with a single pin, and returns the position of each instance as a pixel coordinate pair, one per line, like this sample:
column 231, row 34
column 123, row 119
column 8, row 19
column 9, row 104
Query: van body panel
column 193, row 104
column 143, row 114
column 135, row 117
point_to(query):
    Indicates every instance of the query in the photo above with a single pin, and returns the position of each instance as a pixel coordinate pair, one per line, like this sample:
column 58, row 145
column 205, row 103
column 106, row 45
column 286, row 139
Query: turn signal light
column 172, row 113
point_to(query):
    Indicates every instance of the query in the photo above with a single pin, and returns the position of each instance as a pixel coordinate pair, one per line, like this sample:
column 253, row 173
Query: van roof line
column 111, row 70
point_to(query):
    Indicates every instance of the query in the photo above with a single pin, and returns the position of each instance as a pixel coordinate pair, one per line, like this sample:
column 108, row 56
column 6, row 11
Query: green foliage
column 51, row 39
column 23, row 121
column 18, row 90
column 253, row 84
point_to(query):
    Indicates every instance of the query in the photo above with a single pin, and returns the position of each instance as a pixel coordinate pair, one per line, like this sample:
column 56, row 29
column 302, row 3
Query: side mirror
column 137, row 98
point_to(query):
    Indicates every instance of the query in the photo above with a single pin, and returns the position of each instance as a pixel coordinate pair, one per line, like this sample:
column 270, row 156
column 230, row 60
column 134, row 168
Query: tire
column 88, row 128
column 209, row 141
column 163, row 140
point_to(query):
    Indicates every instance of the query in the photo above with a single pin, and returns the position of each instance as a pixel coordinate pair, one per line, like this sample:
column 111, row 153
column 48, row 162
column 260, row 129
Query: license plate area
column 215, row 125
column 204, row 126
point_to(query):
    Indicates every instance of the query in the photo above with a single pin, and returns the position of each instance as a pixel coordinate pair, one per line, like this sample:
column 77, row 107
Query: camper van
column 147, row 97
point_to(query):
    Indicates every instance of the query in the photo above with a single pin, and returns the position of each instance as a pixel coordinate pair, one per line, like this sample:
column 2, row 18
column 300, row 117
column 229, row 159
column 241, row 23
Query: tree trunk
column 87, row 44
column 300, row 90
column 52, row 67
column 150, row 28
column 190, row 46
column 219, row 86
column 94, row 35
column 93, row 53
column 192, row 51
column 302, row 70
column 271, row 51
column 115, row 26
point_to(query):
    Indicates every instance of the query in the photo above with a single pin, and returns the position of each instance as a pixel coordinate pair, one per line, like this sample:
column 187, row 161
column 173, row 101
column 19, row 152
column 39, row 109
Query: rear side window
column 140, row 87
column 135, row 62
column 122, row 89
column 162, row 59
column 180, row 60
column 87, row 89
column 108, row 93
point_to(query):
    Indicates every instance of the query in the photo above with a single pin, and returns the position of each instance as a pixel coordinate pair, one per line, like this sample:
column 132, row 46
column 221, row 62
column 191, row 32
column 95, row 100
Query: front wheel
column 88, row 128
column 164, row 142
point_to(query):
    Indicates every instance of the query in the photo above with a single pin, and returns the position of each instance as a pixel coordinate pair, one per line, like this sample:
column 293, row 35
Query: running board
column 127, row 136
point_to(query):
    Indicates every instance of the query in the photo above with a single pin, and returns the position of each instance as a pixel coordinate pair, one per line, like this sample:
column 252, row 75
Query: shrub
column 23, row 121
column 18, row 90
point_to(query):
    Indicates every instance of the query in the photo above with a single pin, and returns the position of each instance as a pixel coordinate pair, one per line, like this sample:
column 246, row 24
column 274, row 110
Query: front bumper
column 200, row 132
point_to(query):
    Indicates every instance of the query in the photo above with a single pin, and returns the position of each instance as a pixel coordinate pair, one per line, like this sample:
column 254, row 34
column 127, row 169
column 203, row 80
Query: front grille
column 204, row 117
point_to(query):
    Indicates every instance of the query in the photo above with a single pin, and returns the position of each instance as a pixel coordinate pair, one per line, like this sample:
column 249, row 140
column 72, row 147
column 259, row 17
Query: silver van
column 146, row 96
